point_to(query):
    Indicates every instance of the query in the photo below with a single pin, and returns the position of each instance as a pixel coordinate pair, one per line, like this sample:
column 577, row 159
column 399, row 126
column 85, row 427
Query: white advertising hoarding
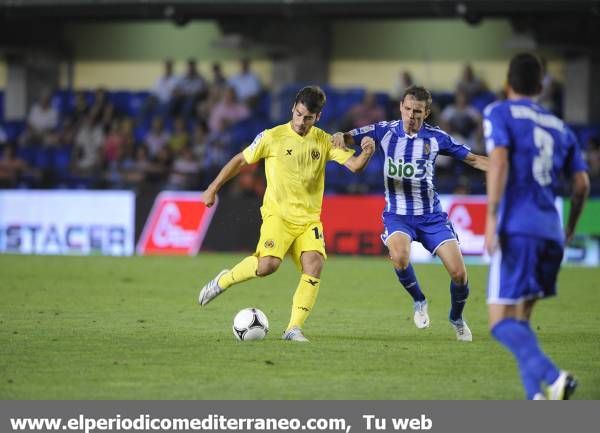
column 67, row 222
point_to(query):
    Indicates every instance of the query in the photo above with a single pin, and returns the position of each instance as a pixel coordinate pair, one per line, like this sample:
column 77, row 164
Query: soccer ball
column 250, row 324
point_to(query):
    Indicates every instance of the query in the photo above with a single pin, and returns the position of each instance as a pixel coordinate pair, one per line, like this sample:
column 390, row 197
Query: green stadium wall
column 366, row 53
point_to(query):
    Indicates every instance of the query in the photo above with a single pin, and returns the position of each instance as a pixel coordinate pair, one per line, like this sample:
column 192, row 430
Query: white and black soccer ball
column 250, row 324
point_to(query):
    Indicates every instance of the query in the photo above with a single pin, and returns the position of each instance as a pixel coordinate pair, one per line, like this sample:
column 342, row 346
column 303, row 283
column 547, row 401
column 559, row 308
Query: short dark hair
column 312, row 97
column 525, row 74
column 420, row 93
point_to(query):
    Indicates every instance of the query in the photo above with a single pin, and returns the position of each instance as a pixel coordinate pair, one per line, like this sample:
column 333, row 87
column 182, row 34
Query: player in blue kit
column 529, row 148
column 413, row 212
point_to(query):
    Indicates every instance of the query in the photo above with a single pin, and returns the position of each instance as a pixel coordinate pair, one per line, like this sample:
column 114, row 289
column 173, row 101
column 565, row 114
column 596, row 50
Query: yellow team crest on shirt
column 315, row 154
column 427, row 149
column 269, row 243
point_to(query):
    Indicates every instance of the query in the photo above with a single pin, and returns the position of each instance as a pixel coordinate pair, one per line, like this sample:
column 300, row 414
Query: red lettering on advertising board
column 176, row 225
column 352, row 224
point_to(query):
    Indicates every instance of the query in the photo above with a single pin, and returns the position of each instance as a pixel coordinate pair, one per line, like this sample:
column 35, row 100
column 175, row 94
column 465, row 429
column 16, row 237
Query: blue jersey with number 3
column 408, row 165
column 540, row 148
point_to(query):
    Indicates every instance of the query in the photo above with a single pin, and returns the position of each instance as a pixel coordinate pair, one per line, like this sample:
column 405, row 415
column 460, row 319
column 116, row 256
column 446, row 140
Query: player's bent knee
column 312, row 263
column 458, row 276
column 400, row 261
column 267, row 266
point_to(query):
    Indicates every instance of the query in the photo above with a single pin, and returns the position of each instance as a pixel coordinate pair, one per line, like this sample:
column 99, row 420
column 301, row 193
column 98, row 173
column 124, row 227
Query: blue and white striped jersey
column 409, row 164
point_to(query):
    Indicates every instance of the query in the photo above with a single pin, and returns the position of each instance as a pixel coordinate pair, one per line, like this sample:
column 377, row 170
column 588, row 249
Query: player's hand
column 368, row 145
column 338, row 140
column 569, row 235
column 208, row 197
column 491, row 238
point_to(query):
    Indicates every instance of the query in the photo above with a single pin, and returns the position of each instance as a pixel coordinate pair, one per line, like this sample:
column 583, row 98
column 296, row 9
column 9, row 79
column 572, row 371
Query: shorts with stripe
column 431, row 230
column 523, row 268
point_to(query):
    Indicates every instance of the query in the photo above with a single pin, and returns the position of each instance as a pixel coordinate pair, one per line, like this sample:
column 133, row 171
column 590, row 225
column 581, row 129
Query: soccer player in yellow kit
column 295, row 154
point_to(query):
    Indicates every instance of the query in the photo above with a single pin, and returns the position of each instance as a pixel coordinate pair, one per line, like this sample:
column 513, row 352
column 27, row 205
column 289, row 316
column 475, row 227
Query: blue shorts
column 523, row 268
column 431, row 230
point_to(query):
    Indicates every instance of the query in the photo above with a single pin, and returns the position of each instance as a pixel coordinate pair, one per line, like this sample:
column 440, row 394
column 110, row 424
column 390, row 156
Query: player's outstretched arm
column 496, row 183
column 231, row 169
column 580, row 191
column 357, row 163
column 480, row 162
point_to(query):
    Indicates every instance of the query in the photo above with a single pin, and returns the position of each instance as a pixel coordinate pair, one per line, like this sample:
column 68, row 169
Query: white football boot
column 211, row 290
column 421, row 318
column 294, row 334
column 463, row 333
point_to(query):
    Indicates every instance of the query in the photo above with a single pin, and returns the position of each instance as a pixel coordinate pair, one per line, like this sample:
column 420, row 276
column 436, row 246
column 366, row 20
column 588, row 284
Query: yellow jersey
column 295, row 170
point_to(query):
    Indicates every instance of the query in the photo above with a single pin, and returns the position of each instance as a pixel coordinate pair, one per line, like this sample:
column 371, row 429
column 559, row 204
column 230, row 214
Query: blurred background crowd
column 179, row 133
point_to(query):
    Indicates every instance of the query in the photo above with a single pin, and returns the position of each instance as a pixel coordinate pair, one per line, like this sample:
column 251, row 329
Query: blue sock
column 521, row 342
column 458, row 299
column 550, row 371
column 409, row 280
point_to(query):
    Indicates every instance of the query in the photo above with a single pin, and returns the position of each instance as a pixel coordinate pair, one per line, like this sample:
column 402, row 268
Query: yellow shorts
column 278, row 236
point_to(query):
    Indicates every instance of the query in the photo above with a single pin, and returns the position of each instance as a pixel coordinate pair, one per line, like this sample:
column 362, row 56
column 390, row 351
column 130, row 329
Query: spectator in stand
column 469, row 84
column 463, row 122
column 218, row 77
column 191, row 88
column 11, row 167
column 141, row 168
column 366, row 112
column 80, row 108
column 403, row 82
column 551, row 96
column 185, row 171
column 109, row 114
column 216, row 155
column 100, row 103
column 162, row 93
column 161, row 166
column 180, row 137
column 246, row 84
column 593, row 157
column 119, row 142
column 157, row 137
column 89, row 140
column 41, row 121
column 199, row 140
column 3, row 138
column 227, row 112
column 119, row 165
column 215, row 93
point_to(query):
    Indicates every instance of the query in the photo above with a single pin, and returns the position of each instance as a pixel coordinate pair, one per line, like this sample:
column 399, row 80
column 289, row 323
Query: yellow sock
column 243, row 271
column 304, row 300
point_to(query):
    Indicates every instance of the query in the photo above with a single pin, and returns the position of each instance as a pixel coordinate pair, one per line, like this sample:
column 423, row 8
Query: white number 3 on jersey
column 542, row 164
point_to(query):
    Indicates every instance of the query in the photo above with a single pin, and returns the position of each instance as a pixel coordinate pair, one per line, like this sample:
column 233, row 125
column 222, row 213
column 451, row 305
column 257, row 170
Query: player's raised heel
column 421, row 317
column 294, row 334
column 463, row 333
column 563, row 387
column 211, row 290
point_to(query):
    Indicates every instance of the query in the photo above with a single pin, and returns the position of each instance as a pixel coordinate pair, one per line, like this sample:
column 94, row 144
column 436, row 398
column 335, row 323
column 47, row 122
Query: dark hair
column 525, row 74
column 420, row 93
column 312, row 97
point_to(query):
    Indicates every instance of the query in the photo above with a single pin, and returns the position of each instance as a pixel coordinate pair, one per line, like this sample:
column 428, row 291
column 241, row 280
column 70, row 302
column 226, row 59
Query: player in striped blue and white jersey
column 412, row 212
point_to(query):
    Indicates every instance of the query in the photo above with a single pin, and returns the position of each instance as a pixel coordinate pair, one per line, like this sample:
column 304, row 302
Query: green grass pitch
column 130, row 328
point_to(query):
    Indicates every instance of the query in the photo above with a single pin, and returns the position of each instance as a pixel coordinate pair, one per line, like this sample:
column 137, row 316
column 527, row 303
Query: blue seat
column 14, row 129
column 483, row 99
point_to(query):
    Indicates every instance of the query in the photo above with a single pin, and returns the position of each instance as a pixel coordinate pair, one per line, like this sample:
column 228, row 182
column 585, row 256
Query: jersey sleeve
column 495, row 130
column 258, row 149
column 450, row 147
column 574, row 161
column 335, row 154
column 376, row 131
